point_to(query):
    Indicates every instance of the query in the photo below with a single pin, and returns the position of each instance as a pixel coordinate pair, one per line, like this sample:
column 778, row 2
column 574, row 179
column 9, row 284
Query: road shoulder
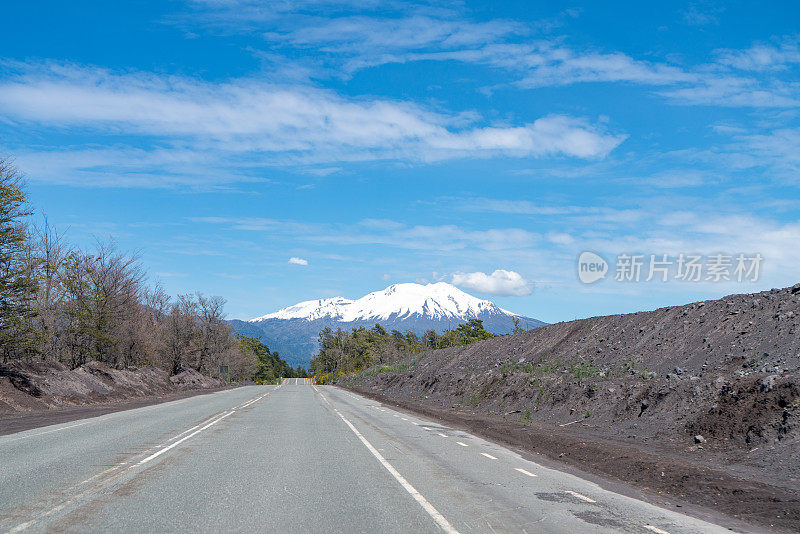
column 13, row 423
column 681, row 486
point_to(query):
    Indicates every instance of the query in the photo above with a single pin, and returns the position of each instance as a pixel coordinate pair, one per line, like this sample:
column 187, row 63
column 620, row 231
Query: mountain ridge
column 438, row 300
column 293, row 330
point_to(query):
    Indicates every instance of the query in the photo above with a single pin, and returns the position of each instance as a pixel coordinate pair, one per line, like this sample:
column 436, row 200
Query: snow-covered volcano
column 434, row 301
column 293, row 331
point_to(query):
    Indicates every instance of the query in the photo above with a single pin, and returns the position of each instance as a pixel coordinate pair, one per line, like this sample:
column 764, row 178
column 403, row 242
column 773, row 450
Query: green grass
column 386, row 368
column 583, row 369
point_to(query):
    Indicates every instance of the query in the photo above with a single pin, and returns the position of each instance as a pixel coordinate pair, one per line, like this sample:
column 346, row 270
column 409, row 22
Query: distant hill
column 293, row 331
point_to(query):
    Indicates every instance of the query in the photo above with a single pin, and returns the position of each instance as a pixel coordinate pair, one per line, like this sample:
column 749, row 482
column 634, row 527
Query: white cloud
column 235, row 124
column 500, row 282
column 351, row 35
column 762, row 57
column 702, row 13
column 439, row 239
column 359, row 33
column 298, row 261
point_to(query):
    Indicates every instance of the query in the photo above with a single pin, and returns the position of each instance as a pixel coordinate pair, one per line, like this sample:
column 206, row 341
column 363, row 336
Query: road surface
column 294, row 458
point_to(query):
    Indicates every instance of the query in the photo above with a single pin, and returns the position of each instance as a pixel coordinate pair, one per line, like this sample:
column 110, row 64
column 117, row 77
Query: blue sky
column 482, row 143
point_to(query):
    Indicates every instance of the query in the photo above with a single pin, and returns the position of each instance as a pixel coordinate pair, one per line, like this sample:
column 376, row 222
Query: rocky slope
column 713, row 384
column 36, row 386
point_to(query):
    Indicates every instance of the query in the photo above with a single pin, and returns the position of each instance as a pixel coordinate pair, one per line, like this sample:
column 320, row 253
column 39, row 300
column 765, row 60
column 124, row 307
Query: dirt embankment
column 699, row 402
column 31, row 387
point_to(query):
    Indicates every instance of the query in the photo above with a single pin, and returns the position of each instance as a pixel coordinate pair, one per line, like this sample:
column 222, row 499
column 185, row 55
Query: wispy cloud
column 351, row 36
column 234, row 123
column 394, row 234
column 685, row 226
column 762, row 56
column 297, row 261
column 702, row 13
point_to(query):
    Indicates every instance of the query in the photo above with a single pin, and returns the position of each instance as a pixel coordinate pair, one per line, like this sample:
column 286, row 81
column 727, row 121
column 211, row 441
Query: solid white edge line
column 443, row 523
column 524, row 472
column 489, row 456
column 22, row 526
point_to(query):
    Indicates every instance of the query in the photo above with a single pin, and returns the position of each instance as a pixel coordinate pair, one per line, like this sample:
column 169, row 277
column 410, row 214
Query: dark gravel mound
column 36, row 386
column 714, row 386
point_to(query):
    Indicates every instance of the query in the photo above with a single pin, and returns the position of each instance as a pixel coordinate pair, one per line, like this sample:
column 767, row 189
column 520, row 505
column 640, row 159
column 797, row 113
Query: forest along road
column 294, row 458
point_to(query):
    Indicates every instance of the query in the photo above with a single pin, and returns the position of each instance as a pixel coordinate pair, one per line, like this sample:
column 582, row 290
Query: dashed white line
column 414, row 423
column 655, row 529
column 578, row 495
column 462, row 444
column 443, row 435
column 489, row 456
column 404, row 419
column 524, row 472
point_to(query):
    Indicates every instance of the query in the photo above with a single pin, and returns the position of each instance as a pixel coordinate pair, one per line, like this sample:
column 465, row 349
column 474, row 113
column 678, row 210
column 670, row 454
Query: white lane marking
column 22, row 526
column 404, row 419
column 165, row 449
column 443, row 523
column 524, row 472
column 578, row 495
column 462, row 444
column 101, row 473
column 414, row 423
column 443, row 435
column 214, row 420
column 655, row 529
column 489, row 456
column 46, row 432
column 99, row 418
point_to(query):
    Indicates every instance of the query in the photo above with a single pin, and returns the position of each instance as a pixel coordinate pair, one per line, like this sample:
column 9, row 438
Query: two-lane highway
column 294, row 458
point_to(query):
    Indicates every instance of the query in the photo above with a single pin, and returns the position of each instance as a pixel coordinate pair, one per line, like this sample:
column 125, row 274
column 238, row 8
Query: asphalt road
column 294, row 458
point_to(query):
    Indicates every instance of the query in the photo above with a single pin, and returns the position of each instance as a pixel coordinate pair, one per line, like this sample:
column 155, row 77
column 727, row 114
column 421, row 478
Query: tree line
column 345, row 352
column 62, row 303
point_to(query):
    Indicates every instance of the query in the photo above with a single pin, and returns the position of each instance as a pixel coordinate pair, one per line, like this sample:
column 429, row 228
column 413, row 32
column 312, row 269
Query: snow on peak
column 437, row 301
column 310, row 309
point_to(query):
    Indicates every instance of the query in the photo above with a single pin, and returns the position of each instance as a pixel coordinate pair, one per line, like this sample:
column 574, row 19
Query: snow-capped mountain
column 435, row 301
column 293, row 331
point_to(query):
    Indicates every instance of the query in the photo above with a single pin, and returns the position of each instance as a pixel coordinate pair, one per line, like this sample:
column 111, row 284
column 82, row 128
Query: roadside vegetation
column 61, row 303
column 360, row 349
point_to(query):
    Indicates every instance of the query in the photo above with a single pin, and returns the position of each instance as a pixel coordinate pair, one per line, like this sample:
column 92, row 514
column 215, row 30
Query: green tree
column 517, row 327
column 17, row 286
